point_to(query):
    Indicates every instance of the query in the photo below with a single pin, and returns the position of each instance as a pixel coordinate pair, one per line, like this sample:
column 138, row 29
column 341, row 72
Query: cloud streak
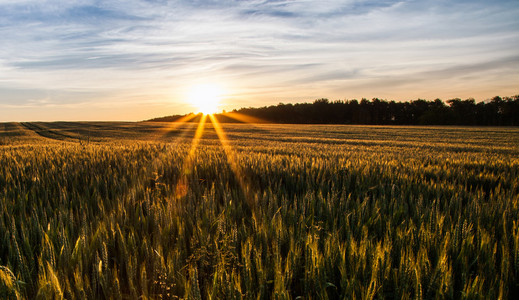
column 116, row 54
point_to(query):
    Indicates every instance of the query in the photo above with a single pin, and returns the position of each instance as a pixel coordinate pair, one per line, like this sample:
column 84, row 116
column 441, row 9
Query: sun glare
column 205, row 98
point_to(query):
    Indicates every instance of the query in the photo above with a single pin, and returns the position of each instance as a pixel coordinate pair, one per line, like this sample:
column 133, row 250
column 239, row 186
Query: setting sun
column 206, row 98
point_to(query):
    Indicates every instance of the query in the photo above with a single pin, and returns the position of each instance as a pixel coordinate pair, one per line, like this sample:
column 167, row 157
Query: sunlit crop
column 124, row 211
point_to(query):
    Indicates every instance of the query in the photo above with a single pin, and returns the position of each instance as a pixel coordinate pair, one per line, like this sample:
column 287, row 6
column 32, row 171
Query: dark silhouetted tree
column 497, row 111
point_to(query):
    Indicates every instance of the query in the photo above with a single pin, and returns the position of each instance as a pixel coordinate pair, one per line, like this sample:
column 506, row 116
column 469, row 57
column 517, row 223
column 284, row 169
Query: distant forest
column 498, row 111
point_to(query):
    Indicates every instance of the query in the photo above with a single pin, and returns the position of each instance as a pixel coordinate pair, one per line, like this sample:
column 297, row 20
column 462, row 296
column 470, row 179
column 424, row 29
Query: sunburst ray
column 232, row 160
column 182, row 184
column 171, row 126
column 243, row 118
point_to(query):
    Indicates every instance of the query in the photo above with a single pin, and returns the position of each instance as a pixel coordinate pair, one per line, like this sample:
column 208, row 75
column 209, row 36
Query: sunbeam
column 182, row 185
column 243, row 118
column 162, row 132
column 232, row 159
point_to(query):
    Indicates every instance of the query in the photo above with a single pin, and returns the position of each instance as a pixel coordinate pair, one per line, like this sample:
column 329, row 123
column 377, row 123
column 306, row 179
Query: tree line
column 498, row 111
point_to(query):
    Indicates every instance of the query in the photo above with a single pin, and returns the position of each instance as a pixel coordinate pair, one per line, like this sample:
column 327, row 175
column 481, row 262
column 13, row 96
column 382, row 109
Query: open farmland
column 158, row 210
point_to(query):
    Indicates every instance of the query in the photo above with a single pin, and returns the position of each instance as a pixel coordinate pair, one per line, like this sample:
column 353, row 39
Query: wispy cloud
column 127, row 54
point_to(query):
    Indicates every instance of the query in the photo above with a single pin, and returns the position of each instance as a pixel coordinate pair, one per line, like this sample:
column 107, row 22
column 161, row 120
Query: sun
column 205, row 98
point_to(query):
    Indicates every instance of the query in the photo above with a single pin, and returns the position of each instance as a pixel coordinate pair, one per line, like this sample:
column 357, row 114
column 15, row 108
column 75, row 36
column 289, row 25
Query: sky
column 134, row 59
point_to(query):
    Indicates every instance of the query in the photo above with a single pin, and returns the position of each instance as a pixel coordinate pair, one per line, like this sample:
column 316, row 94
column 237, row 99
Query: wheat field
column 163, row 211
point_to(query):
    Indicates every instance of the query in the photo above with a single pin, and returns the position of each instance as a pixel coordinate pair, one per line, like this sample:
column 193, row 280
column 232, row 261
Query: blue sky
column 133, row 60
